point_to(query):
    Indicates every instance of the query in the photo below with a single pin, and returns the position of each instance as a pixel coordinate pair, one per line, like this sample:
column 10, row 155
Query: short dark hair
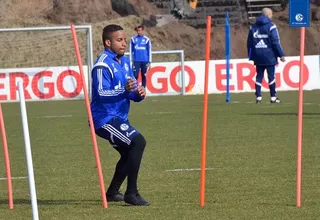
column 140, row 26
column 108, row 30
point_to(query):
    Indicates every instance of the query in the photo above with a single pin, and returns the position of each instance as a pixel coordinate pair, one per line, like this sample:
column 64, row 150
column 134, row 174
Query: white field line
column 159, row 113
column 55, row 116
column 264, row 101
column 307, row 103
column 15, row 178
column 189, row 169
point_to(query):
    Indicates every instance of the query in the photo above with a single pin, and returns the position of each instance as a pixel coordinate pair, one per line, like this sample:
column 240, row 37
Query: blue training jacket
column 109, row 97
column 140, row 49
column 263, row 43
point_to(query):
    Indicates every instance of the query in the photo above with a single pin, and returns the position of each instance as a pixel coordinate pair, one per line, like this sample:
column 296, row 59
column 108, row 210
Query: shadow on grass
column 277, row 204
column 63, row 202
column 53, row 202
column 281, row 114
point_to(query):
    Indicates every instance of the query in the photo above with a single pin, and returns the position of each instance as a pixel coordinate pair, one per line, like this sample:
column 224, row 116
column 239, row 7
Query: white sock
column 259, row 98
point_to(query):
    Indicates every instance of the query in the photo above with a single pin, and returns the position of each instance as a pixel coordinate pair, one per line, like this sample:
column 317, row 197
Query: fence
column 43, row 59
column 42, row 48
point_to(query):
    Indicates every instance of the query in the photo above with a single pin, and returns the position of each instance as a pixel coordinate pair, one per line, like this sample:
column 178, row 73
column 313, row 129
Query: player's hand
column 131, row 85
column 283, row 59
column 141, row 91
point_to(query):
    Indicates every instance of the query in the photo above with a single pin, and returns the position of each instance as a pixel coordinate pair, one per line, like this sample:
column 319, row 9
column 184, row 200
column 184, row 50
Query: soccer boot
column 114, row 197
column 135, row 199
column 275, row 101
column 259, row 100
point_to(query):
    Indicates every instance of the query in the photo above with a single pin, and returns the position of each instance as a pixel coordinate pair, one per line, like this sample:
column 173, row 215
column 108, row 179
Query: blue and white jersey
column 109, row 96
column 140, row 49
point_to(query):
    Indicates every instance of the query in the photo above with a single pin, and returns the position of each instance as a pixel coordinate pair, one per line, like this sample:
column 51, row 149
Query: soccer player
column 140, row 51
column 264, row 48
column 113, row 87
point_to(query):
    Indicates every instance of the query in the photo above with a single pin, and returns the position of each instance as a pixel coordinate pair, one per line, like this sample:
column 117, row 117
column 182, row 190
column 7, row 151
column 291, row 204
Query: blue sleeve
column 275, row 41
column 102, row 82
column 249, row 44
column 135, row 97
column 131, row 49
column 149, row 51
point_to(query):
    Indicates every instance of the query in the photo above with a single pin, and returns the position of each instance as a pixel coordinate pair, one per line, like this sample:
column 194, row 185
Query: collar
column 110, row 54
column 113, row 55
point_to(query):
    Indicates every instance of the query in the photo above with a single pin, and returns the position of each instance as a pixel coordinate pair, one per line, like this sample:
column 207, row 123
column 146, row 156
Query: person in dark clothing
column 264, row 49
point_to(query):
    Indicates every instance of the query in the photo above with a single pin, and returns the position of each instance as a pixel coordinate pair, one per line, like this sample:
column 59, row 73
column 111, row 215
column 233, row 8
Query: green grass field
column 251, row 148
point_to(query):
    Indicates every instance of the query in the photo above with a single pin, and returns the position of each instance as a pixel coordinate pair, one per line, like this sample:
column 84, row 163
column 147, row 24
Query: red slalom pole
column 300, row 116
column 93, row 135
column 205, row 114
column 6, row 159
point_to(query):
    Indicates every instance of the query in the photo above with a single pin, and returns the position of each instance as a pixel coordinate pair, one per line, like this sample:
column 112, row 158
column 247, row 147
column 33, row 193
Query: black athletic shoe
column 114, row 197
column 258, row 101
column 276, row 101
column 135, row 199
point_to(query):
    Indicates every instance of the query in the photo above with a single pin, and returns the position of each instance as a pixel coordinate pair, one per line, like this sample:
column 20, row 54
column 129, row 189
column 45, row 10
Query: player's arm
column 249, row 43
column 131, row 49
column 137, row 96
column 103, row 84
column 149, row 49
column 275, row 41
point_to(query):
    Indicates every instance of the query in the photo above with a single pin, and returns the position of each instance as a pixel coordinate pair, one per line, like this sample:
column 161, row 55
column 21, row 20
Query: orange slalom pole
column 6, row 158
column 93, row 135
column 300, row 116
column 205, row 114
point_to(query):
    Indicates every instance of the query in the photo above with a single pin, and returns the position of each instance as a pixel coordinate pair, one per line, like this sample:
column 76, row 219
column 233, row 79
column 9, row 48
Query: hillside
column 26, row 13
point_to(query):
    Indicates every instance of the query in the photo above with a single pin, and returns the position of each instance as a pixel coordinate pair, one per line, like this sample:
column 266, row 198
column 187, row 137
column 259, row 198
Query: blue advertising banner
column 299, row 13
